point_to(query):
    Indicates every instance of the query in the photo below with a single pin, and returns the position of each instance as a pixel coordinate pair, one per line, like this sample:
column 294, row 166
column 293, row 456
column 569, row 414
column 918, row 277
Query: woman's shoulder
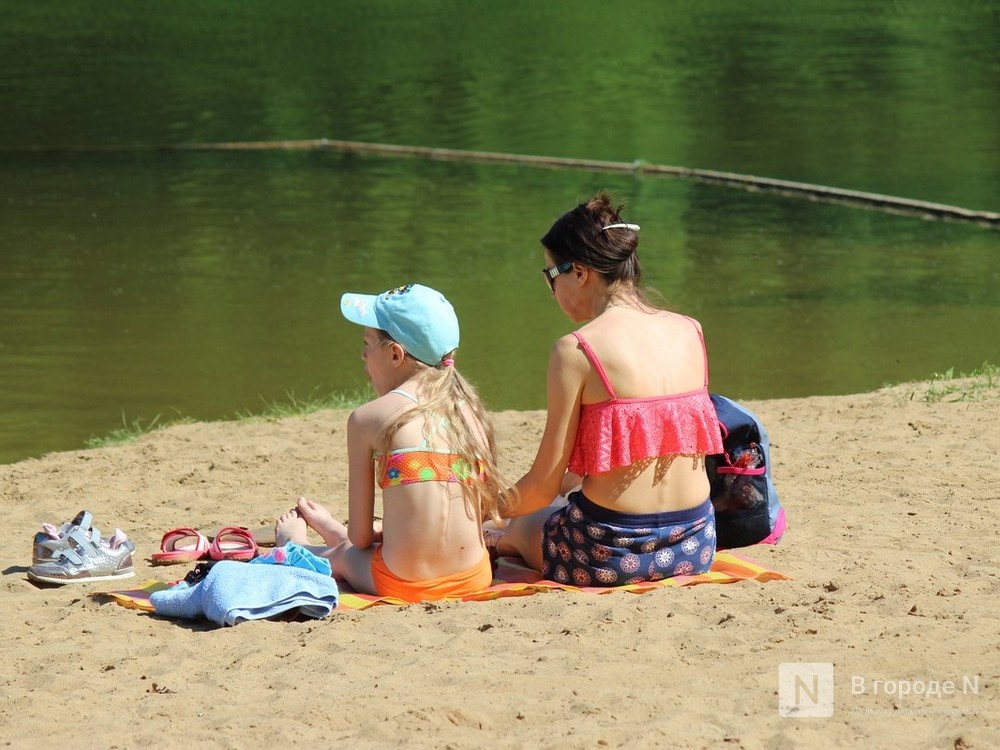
column 569, row 347
column 681, row 325
column 567, row 357
column 684, row 319
column 628, row 332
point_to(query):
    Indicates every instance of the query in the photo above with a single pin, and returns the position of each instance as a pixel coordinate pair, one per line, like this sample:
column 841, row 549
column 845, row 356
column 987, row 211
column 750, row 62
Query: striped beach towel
column 512, row 578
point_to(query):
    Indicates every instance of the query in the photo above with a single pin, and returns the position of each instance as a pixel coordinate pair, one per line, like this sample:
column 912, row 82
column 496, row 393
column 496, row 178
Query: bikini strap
column 704, row 349
column 425, row 443
column 443, row 422
column 597, row 365
column 406, row 394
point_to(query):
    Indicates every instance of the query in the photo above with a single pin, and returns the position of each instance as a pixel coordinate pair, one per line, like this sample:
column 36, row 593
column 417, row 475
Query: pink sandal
column 233, row 543
column 174, row 550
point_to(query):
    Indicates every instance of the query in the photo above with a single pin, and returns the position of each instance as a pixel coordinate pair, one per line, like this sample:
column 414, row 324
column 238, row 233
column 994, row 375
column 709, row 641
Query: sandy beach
column 891, row 502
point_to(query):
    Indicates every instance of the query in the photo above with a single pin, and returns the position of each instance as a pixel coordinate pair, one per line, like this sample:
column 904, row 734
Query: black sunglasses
column 549, row 274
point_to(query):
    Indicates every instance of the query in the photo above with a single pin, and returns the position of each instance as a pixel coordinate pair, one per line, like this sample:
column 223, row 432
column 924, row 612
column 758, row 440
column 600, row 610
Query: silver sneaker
column 84, row 557
column 50, row 538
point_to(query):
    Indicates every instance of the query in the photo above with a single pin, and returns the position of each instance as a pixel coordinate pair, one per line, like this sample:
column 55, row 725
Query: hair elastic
column 633, row 227
column 447, row 362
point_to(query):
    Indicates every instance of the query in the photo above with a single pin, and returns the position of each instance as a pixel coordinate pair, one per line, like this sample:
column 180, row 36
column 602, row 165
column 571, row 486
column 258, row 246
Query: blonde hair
column 444, row 394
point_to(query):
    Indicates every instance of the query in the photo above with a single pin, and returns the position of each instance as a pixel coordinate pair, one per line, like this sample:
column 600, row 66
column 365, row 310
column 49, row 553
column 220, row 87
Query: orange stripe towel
column 513, row 578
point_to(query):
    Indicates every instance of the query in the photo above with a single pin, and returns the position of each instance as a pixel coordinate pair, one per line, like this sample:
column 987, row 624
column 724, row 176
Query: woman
column 629, row 420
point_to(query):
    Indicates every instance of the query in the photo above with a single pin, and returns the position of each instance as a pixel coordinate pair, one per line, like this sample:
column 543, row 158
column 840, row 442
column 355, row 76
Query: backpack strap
column 597, row 365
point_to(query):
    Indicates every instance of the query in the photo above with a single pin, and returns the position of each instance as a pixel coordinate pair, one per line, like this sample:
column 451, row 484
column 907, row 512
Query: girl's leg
column 354, row 566
column 347, row 562
column 290, row 527
column 320, row 520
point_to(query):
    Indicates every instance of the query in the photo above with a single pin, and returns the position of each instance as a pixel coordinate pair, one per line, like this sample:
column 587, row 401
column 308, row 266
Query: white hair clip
column 633, row 227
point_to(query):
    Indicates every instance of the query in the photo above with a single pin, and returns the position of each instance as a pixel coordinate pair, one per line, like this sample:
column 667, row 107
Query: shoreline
column 986, row 376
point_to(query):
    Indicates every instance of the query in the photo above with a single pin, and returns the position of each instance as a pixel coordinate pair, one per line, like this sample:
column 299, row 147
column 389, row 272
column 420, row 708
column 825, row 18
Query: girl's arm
column 361, row 432
column 568, row 368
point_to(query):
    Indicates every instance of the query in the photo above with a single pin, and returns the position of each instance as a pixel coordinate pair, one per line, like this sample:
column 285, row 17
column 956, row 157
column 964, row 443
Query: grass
column 291, row 406
column 130, row 431
column 978, row 385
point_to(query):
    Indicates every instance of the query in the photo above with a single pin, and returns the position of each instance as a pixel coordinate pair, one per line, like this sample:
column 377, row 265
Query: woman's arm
column 361, row 432
column 568, row 368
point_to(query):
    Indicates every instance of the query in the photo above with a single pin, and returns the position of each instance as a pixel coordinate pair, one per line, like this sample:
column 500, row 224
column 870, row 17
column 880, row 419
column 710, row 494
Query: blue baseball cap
column 416, row 316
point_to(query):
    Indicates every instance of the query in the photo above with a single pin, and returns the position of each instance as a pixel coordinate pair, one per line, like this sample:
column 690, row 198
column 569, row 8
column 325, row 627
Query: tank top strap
column 592, row 356
column 704, row 349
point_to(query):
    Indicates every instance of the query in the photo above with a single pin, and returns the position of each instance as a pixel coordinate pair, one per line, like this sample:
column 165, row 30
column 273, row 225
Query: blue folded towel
column 234, row 591
column 296, row 555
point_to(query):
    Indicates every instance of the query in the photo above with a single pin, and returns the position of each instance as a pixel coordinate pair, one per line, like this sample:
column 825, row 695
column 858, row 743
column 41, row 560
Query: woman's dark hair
column 579, row 236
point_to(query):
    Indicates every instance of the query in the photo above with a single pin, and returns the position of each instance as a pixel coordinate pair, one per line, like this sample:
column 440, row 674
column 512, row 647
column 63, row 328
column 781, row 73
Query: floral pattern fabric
column 423, row 466
column 585, row 544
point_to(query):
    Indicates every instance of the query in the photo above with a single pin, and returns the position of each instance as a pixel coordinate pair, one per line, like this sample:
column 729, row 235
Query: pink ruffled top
column 621, row 431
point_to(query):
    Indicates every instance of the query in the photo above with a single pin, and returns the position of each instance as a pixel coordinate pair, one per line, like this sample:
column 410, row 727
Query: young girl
column 629, row 417
column 427, row 443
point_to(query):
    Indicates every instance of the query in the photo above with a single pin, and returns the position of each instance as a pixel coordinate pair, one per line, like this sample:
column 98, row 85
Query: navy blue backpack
column 747, row 510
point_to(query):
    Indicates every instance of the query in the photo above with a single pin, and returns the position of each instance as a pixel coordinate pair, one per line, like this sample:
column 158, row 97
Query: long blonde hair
column 444, row 393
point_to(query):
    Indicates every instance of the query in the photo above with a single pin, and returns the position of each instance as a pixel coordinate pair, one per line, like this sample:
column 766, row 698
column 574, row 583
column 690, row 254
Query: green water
column 137, row 283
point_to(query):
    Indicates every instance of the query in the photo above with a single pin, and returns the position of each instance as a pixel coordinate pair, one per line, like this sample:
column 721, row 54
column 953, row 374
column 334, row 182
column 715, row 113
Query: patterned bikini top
column 622, row 431
column 422, row 463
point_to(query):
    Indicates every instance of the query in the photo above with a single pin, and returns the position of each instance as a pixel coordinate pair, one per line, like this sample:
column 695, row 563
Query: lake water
column 137, row 281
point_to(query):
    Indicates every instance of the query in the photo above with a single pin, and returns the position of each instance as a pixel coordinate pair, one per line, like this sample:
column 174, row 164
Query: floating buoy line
column 822, row 193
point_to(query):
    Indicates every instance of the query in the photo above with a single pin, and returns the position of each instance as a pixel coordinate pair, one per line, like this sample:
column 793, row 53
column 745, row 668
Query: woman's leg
column 524, row 534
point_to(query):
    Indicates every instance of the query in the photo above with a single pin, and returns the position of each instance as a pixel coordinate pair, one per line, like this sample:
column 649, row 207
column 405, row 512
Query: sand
column 892, row 535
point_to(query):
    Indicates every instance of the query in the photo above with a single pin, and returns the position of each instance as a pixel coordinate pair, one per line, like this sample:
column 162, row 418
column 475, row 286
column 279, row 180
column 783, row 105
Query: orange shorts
column 471, row 581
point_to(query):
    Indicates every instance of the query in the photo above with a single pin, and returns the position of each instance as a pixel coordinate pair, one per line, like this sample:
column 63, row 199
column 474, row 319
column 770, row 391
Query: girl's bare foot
column 322, row 522
column 290, row 527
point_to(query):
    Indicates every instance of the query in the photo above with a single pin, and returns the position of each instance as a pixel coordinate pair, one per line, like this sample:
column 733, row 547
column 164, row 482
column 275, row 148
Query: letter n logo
column 805, row 690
